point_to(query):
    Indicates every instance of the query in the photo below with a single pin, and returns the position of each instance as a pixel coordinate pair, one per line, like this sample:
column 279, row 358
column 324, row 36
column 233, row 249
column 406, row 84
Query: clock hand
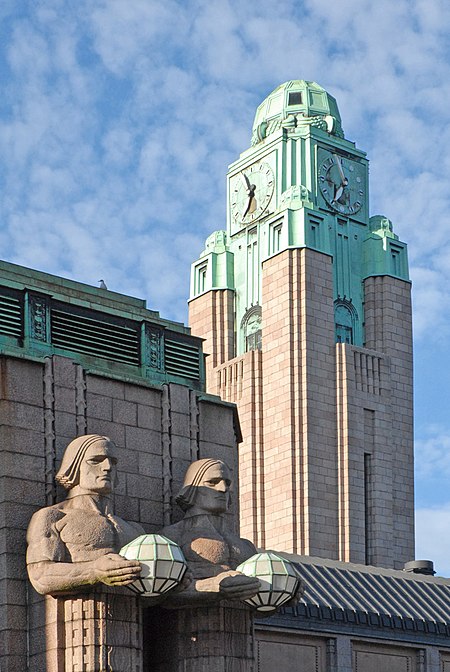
column 344, row 180
column 246, row 182
column 251, row 205
column 247, row 209
column 338, row 193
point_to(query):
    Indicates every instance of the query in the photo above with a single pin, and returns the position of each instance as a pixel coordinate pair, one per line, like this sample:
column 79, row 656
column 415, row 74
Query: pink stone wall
column 389, row 330
column 326, row 462
column 299, row 401
column 212, row 315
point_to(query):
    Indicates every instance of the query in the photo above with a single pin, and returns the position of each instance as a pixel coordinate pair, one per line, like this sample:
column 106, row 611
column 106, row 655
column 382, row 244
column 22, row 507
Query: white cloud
column 121, row 119
column 433, row 539
column 432, row 451
column 118, row 121
column 431, row 303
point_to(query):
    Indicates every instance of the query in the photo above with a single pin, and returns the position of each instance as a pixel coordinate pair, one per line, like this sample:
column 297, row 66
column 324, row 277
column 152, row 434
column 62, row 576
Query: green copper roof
column 309, row 187
column 297, row 102
column 42, row 315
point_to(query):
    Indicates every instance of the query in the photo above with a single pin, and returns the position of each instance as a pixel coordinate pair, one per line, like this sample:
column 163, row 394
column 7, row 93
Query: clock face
column 342, row 183
column 251, row 192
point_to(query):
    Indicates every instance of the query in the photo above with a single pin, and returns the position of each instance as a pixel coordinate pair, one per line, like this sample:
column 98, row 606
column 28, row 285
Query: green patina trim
column 80, row 294
column 383, row 252
column 296, row 104
column 317, row 199
column 42, row 315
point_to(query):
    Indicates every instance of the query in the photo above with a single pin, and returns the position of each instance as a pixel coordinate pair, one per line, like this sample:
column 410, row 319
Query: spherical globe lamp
column 163, row 564
column 280, row 580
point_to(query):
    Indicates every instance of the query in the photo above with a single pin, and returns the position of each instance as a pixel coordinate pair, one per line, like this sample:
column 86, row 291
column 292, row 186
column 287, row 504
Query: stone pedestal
column 217, row 638
column 98, row 632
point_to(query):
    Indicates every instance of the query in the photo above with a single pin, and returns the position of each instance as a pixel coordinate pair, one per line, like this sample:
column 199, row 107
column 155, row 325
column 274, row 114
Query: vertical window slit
column 368, row 507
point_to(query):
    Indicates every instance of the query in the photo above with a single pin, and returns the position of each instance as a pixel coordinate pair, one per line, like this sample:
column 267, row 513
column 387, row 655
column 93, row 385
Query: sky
column 119, row 118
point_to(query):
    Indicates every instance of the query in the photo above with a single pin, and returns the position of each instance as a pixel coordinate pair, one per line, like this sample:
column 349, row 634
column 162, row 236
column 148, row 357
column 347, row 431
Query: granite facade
column 326, row 463
column 159, row 431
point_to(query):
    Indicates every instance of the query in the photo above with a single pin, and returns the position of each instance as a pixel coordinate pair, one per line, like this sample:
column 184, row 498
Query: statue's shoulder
column 43, row 520
column 244, row 547
column 43, row 538
column 174, row 532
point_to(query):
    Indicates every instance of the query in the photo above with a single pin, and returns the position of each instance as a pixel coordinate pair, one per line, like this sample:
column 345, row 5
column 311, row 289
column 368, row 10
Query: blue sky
column 118, row 119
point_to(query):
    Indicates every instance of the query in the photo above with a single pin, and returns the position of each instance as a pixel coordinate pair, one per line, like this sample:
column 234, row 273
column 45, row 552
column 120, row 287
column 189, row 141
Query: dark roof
column 374, row 596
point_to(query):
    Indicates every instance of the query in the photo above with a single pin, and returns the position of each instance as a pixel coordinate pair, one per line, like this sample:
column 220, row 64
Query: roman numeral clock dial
column 341, row 181
column 251, row 192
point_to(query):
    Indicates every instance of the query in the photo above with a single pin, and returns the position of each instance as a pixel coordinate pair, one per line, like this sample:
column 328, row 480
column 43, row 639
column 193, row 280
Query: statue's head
column 206, row 487
column 89, row 464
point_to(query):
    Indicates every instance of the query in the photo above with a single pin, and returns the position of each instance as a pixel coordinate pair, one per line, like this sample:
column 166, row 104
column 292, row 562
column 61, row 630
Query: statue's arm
column 228, row 585
column 50, row 578
column 50, row 571
column 205, row 588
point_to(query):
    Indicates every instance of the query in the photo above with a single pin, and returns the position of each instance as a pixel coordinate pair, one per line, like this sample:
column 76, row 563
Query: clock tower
column 304, row 303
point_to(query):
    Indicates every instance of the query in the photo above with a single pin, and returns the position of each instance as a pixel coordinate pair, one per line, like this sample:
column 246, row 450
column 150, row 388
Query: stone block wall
column 338, row 652
column 22, row 492
column 299, row 398
column 286, row 396
column 241, row 381
column 212, row 315
column 389, row 330
column 367, row 482
column 326, row 463
column 45, row 404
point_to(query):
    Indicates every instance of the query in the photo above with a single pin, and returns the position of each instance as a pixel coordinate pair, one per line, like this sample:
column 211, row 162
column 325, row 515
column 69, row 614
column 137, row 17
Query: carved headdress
column 69, row 470
column 193, row 478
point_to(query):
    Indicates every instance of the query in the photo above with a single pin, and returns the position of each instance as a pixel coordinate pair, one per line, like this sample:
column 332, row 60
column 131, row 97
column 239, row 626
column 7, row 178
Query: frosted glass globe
column 163, row 564
column 280, row 580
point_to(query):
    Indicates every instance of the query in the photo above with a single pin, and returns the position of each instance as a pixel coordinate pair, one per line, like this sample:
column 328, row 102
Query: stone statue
column 76, row 542
column 211, row 551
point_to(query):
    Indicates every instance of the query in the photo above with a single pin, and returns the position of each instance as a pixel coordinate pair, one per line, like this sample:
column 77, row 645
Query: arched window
column 344, row 317
column 251, row 325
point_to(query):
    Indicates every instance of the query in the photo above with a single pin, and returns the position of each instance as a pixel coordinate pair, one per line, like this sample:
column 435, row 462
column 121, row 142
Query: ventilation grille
column 181, row 358
column 11, row 316
column 95, row 337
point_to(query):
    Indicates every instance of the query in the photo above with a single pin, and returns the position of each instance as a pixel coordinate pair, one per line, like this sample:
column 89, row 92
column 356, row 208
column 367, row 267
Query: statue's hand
column 234, row 585
column 114, row 570
column 231, row 585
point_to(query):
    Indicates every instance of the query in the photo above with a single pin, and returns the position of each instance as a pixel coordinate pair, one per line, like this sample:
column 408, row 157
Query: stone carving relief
column 39, row 307
column 75, row 543
column 292, row 122
column 295, row 197
column 211, row 550
column 153, row 348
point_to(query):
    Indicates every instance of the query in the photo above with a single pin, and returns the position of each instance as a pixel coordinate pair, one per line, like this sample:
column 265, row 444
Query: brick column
column 389, row 330
column 241, row 381
column 96, row 632
column 22, row 492
column 218, row 638
column 365, row 458
column 299, row 397
column 211, row 316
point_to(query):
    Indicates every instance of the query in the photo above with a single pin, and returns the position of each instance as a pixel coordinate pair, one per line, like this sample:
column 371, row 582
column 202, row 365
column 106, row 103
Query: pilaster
column 241, row 381
column 389, row 330
column 211, row 315
column 216, row 638
column 300, row 403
